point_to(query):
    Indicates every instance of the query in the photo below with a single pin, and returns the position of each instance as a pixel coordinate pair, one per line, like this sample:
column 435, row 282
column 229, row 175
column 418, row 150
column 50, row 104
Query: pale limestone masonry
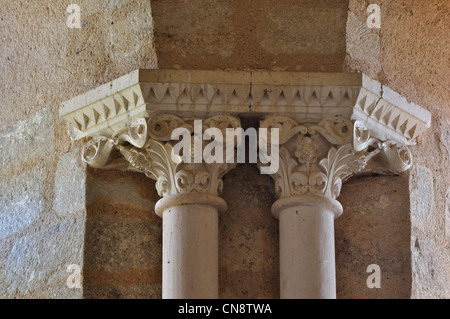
column 413, row 60
column 21, row 201
column 38, row 242
column 70, row 185
column 429, row 265
column 331, row 126
column 41, row 259
column 34, row 134
column 42, row 63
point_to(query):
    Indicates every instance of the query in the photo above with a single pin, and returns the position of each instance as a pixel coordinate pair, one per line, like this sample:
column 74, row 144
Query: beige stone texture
column 117, row 238
column 42, row 63
column 414, row 61
column 123, row 255
column 290, row 35
column 374, row 229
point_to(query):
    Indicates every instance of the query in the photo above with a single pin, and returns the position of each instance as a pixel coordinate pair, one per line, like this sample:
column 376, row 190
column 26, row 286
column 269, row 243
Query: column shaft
column 307, row 262
column 307, row 250
column 190, row 252
column 190, row 245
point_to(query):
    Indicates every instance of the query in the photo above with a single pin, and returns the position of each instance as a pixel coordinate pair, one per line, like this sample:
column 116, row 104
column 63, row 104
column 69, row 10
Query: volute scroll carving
column 146, row 145
column 317, row 158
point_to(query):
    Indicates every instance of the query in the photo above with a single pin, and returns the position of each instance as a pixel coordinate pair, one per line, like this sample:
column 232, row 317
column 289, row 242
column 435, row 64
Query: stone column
column 189, row 208
column 316, row 114
column 190, row 245
column 307, row 260
column 314, row 160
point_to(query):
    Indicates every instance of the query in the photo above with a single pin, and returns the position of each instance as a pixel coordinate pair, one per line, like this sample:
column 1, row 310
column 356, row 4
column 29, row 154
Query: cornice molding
column 307, row 97
column 331, row 124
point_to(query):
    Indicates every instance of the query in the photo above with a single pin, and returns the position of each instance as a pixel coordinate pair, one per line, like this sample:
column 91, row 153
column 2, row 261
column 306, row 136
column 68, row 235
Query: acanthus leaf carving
column 143, row 145
column 325, row 154
column 164, row 167
column 335, row 167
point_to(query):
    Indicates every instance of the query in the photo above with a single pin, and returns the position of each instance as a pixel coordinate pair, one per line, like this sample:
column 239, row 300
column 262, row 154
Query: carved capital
column 148, row 148
column 330, row 125
column 317, row 158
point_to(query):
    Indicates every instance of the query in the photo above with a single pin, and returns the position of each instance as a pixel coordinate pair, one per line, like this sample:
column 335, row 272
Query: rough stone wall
column 374, row 229
column 123, row 237
column 53, row 212
column 42, row 180
column 410, row 54
column 123, row 253
column 307, row 35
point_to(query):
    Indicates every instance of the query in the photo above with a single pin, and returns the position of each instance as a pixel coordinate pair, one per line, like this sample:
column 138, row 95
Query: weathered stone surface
column 40, row 53
column 27, row 140
column 70, row 185
column 431, row 274
column 248, row 236
column 254, row 34
column 120, row 190
column 421, row 195
column 363, row 45
column 301, row 30
column 21, row 200
column 447, row 216
column 41, row 259
column 127, row 24
column 374, row 229
column 190, row 36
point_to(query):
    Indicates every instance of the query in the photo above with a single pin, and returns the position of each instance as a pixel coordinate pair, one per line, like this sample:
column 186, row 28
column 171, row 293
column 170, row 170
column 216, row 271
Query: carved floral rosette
column 316, row 158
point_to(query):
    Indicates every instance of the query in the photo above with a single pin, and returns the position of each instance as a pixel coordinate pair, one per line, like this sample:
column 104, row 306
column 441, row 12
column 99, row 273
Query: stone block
column 29, row 139
column 70, row 185
column 431, row 274
column 41, row 259
column 421, row 196
column 363, row 45
column 447, row 216
column 304, row 30
column 114, row 244
column 21, row 200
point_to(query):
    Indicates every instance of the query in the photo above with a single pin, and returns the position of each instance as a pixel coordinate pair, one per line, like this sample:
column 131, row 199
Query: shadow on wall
column 287, row 35
column 123, row 252
column 123, row 257
column 375, row 228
